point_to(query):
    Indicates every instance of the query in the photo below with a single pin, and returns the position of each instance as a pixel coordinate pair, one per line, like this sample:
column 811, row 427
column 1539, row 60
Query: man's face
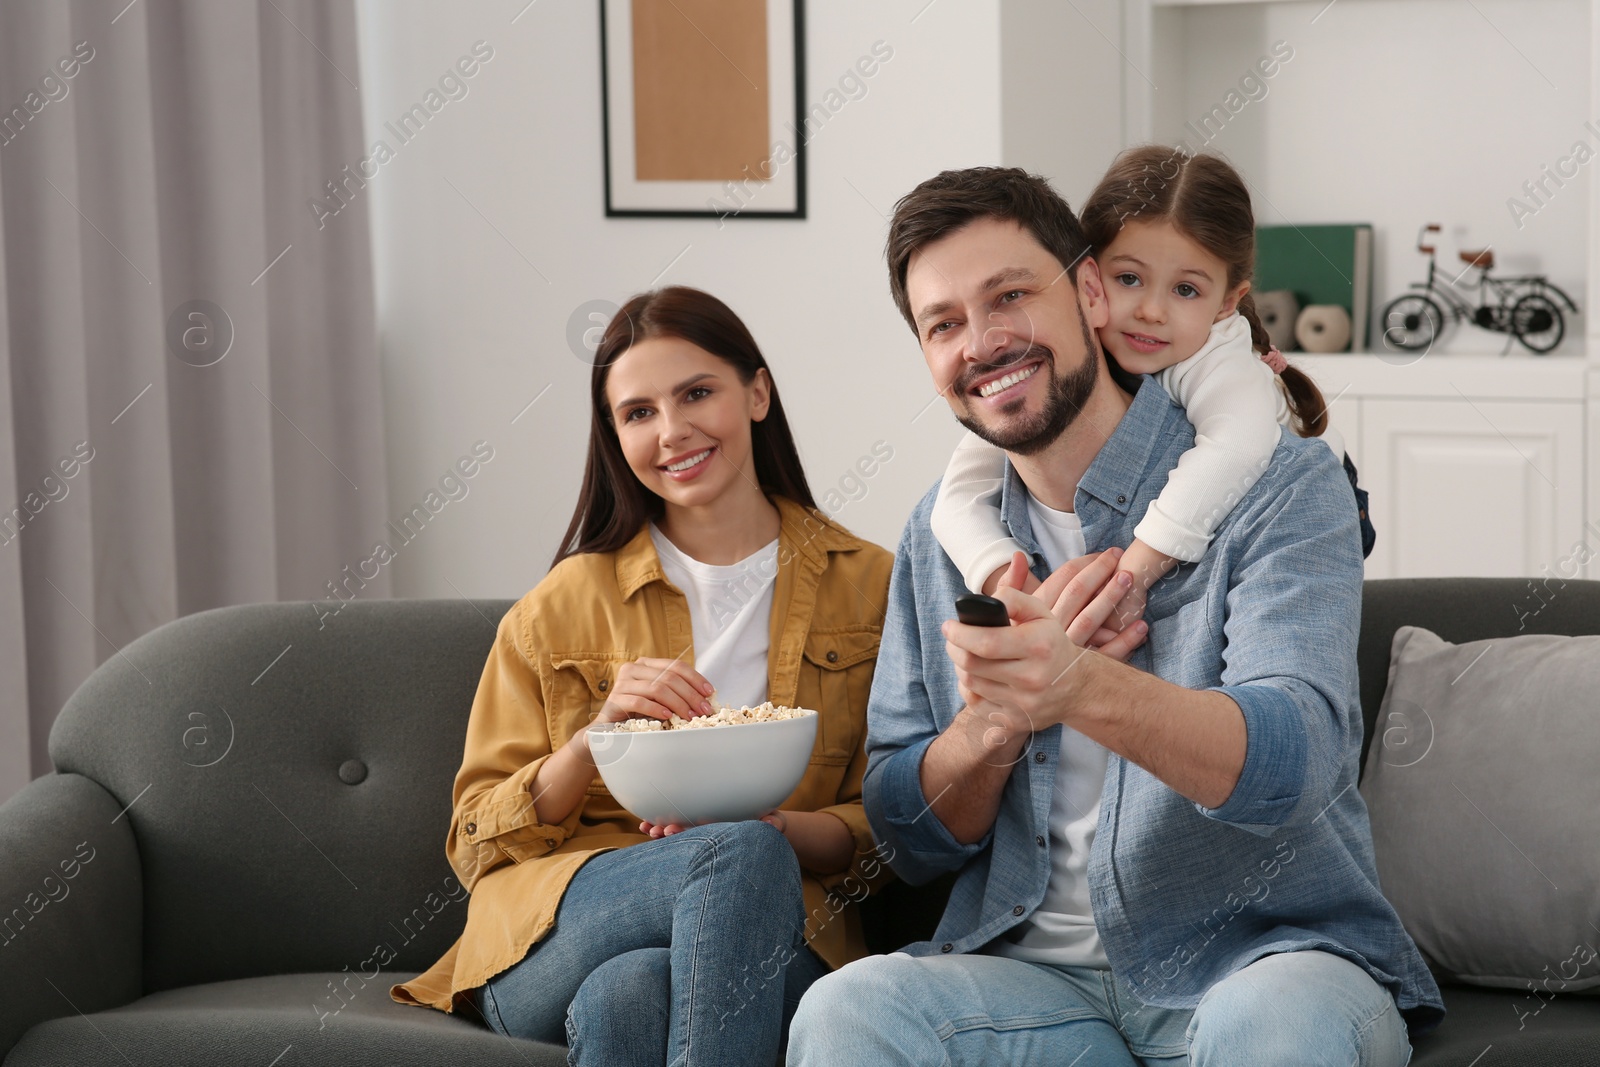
column 1008, row 338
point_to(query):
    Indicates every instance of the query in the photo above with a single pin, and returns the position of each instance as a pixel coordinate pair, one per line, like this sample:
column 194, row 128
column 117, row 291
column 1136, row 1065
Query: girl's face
column 683, row 418
column 1164, row 293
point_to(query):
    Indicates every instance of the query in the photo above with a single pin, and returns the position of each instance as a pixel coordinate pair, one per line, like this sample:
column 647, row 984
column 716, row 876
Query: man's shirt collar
column 1116, row 473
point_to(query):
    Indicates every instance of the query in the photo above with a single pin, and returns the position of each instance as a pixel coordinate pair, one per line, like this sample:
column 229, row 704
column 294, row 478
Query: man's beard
column 1064, row 399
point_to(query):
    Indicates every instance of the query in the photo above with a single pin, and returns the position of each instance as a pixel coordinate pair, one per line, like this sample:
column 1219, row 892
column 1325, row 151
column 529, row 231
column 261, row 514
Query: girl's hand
column 1015, row 574
column 656, row 689
column 1130, row 609
column 776, row 819
column 1146, row 566
column 1064, row 592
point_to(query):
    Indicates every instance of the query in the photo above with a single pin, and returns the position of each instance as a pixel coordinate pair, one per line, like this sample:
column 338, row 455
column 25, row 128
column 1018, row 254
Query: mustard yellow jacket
column 555, row 656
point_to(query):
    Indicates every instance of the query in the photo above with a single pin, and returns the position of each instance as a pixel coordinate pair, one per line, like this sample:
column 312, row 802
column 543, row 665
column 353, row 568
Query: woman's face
column 683, row 418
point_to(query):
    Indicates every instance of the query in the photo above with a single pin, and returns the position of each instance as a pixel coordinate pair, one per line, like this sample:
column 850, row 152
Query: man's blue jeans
column 1302, row 1008
column 687, row 950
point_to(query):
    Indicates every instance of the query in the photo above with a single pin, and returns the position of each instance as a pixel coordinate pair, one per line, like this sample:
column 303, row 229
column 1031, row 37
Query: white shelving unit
column 1477, row 464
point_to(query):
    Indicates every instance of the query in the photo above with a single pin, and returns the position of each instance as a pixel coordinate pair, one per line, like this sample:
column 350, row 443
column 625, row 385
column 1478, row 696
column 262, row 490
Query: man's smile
column 1003, row 381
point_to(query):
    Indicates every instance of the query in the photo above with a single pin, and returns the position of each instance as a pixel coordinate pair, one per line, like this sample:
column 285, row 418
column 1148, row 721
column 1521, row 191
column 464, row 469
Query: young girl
column 1174, row 236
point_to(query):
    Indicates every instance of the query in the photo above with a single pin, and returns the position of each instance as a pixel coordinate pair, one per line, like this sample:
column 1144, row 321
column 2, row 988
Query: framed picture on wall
column 702, row 105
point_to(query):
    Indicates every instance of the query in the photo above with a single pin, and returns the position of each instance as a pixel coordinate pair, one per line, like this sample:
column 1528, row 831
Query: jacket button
column 472, row 828
column 833, row 657
column 1038, row 757
column 1018, row 910
column 946, row 947
column 604, row 685
column 352, row 772
column 550, row 842
column 1039, row 840
column 1122, row 498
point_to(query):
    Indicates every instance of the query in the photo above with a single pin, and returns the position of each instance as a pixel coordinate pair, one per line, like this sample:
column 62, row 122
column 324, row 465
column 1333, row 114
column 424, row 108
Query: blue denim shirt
column 1183, row 895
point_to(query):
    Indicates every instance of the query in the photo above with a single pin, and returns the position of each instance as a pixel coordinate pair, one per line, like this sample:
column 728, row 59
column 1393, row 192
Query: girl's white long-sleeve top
column 1236, row 406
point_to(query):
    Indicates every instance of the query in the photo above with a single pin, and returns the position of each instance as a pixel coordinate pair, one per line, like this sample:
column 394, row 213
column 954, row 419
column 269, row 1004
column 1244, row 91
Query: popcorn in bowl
column 742, row 716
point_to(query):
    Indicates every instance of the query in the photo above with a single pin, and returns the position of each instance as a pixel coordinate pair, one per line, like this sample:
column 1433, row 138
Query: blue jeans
column 687, row 950
column 1303, row 1008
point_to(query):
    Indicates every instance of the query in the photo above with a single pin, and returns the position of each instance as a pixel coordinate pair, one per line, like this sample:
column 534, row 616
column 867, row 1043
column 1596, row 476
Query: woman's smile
column 686, row 467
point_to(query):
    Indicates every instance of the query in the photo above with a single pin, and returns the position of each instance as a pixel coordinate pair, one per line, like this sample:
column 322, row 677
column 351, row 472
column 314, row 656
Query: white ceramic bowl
column 708, row 774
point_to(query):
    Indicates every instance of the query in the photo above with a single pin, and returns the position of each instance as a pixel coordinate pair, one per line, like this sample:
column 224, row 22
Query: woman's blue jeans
column 688, row 950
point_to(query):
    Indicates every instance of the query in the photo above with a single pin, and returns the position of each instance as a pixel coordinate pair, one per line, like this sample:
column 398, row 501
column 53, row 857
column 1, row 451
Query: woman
column 696, row 557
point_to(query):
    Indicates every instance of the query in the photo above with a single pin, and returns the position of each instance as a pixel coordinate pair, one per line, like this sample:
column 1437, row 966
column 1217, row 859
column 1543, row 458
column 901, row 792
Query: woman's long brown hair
column 613, row 504
column 1206, row 200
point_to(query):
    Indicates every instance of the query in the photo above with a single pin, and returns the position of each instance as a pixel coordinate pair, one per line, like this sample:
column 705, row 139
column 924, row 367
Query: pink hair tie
column 1274, row 359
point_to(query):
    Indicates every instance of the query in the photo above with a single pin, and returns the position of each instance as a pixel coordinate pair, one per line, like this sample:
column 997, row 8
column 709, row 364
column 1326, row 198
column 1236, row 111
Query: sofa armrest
column 71, row 904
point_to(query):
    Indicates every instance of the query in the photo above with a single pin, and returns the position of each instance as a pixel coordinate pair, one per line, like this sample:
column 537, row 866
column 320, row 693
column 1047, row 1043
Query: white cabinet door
column 1481, row 488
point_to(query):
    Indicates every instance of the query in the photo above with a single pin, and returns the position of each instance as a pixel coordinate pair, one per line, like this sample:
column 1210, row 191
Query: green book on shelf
column 1321, row 264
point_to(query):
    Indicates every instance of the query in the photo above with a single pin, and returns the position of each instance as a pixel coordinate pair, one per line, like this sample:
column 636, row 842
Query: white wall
column 1399, row 113
column 471, row 331
column 1060, row 76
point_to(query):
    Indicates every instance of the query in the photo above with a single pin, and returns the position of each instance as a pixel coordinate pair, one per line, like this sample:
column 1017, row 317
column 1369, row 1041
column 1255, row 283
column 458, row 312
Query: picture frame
column 702, row 105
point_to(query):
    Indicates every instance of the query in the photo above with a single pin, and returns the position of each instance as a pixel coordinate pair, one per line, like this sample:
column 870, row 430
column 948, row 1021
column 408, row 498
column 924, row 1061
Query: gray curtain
column 159, row 161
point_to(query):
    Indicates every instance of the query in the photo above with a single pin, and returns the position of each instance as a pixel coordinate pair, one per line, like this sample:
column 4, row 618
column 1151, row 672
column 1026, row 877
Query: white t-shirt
column 1062, row 930
column 730, row 611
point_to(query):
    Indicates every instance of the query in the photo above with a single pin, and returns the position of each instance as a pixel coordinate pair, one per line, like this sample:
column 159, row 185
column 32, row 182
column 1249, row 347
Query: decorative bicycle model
column 1527, row 307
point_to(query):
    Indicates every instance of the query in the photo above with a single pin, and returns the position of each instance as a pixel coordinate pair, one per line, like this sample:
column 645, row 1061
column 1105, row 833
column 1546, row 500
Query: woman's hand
column 773, row 818
column 656, row 689
column 821, row 841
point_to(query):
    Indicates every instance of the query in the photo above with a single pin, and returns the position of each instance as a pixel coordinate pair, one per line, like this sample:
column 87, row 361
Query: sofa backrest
column 1459, row 610
column 289, row 782
column 289, row 775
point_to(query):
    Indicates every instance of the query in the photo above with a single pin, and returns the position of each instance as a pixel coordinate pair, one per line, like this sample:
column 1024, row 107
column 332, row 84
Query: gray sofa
column 241, row 848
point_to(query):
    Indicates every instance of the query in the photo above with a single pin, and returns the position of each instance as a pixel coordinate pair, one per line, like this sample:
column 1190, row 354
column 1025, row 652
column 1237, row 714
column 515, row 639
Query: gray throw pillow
column 1483, row 786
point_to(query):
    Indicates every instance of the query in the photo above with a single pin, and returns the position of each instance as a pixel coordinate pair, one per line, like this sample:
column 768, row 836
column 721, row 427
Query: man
column 1164, row 858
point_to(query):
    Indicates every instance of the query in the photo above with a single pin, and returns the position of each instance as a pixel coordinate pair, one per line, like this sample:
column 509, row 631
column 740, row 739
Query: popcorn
column 765, row 712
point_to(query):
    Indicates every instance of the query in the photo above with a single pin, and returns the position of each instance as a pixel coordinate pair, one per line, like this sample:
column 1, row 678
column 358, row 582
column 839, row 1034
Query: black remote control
column 975, row 609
